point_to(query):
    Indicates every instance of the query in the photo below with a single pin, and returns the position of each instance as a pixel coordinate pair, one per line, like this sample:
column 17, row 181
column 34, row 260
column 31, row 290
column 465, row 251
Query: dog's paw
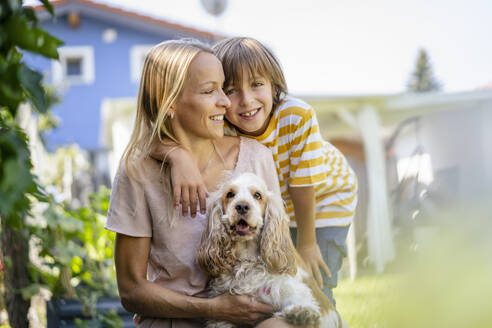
column 305, row 316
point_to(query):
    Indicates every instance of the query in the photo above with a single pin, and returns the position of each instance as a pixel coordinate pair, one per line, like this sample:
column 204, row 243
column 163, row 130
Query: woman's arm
column 141, row 296
column 304, row 202
column 138, row 295
column 187, row 181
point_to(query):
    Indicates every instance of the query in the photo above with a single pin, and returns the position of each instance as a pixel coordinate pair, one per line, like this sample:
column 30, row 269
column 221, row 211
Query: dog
column 247, row 250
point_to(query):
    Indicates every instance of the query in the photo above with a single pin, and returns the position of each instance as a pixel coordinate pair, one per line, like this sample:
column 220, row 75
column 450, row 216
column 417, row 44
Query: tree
column 422, row 79
column 18, row 84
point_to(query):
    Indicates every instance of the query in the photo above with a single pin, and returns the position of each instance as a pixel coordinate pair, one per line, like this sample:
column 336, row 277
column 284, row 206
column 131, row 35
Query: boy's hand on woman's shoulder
column 189, row 189
column 188, row 186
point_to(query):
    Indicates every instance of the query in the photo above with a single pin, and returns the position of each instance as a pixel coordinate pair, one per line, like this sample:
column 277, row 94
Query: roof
column 123, row 15
column 392, row 108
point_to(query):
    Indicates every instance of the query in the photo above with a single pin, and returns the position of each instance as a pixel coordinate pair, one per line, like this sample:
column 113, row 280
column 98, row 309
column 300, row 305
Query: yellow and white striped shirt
column 303, row 158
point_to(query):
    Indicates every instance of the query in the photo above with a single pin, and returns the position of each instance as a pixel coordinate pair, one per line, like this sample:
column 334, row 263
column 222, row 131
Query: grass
column 361, row 302
column 446, row 283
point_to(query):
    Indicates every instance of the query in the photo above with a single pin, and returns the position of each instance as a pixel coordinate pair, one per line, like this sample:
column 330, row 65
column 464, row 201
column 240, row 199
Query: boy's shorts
column 332, row 242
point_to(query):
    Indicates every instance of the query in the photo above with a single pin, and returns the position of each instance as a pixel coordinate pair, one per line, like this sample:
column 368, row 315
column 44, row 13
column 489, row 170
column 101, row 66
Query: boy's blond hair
column 163, row 77
column 239, row 54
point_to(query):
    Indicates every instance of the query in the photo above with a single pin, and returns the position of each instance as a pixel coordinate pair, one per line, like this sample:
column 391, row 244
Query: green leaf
column 10, row 92
column 30, row 291
column 40, row 193
column 3, row 34
column 7, row 260
column 63, row 255
column 14, row 5
column 76, row 264
column 48, row 7
column 16, row 179
column 30, row 14
column 31, row 81
column 31, row 38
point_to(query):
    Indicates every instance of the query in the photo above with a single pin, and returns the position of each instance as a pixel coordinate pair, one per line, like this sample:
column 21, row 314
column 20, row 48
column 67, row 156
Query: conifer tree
column 422, row 79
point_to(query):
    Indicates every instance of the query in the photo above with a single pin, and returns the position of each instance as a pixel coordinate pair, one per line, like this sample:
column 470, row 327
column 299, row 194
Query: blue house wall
column 80, row 106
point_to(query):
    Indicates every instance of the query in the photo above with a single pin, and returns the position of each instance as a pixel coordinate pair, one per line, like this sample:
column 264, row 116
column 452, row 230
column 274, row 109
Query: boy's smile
column 251, row 104
column 250, row 115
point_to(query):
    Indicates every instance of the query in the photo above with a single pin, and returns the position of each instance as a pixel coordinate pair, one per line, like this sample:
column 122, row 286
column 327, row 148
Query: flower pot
column 63, row 312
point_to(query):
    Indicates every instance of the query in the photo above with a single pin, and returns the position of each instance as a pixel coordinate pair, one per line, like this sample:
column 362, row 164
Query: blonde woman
column 180, row 98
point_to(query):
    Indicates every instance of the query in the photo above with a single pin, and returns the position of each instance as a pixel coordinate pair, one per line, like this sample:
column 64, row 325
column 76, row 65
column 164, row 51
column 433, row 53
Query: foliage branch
column 73, row 239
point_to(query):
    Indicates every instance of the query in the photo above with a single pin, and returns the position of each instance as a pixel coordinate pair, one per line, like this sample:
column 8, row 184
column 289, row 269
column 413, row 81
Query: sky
column 353, row 46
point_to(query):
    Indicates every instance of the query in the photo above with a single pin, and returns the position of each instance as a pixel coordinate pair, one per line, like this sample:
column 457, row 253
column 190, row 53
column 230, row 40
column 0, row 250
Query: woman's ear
column 214, row 255
column 276, row 247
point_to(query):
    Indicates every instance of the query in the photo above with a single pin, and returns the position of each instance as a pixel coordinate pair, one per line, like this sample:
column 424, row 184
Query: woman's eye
column 208, row 92
column 230, row 194
column 257, row 195
column 257, row 84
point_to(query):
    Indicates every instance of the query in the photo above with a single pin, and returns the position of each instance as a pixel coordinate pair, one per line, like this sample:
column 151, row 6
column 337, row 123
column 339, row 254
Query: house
column 101, row 60
column 418, row 156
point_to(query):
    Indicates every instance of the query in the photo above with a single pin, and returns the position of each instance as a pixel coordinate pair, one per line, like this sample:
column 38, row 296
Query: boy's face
column 251, row 104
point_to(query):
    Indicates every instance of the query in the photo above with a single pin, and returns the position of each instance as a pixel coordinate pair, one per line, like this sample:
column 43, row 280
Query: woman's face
column 202, row 104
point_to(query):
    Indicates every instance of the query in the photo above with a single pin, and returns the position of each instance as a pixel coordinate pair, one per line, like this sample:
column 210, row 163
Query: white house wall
column 456, row 139
column 459, row 142
column 486, row 124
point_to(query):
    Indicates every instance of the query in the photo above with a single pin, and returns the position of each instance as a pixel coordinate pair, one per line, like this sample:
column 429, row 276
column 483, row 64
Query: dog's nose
column 242, row 208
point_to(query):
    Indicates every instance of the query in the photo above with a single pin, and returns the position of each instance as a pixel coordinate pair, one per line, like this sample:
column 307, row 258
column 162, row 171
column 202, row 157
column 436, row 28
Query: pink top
column 137, row 209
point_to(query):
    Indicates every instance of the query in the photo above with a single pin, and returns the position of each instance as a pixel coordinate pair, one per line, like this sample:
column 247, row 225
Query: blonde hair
column 243, row 53
column 163, row 77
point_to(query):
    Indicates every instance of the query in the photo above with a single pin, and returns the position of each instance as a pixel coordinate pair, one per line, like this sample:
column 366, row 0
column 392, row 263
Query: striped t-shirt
column 303, row 158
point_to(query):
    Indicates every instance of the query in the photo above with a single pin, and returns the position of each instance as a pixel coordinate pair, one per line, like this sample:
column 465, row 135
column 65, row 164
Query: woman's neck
column 201, row 149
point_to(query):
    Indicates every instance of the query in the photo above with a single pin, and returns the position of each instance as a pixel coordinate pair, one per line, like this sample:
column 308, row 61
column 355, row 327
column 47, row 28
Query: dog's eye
column 230, row 194
column 257, row 195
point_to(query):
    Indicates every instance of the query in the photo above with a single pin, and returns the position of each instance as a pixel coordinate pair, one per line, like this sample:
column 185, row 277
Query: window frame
column 59, row 67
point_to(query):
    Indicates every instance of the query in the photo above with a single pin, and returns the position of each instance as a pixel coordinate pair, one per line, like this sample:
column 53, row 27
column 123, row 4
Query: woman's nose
column 224, row 100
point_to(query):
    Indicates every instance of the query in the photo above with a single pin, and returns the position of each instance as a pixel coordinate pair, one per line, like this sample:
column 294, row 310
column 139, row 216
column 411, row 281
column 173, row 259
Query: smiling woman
column 181, row 99
column 202, row 99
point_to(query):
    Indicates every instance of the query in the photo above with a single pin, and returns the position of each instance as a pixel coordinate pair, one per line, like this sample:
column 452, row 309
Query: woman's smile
column 217, row 118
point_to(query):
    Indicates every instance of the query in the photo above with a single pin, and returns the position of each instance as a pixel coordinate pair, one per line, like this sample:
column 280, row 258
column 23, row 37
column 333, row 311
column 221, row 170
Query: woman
column 180, row 98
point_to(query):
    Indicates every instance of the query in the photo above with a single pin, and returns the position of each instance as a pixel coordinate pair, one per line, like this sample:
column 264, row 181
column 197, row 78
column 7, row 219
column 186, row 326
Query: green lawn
column 361, row 302
column 442, row 281
column 445, row 285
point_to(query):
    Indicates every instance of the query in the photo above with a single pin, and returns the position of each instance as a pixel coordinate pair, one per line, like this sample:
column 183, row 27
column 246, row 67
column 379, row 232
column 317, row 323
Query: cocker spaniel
column 246, row 248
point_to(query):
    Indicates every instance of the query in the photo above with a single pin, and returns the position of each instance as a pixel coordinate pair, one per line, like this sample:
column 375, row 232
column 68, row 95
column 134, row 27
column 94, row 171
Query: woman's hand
column 187, row 182
column 311, row 254
column 242, row 309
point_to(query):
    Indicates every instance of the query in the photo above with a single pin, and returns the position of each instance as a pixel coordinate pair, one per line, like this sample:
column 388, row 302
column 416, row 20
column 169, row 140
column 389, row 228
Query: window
column 418, row 165
column 137, row 58
column 76, row 65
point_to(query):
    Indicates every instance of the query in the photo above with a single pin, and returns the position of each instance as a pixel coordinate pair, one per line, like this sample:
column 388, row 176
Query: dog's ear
column 276, row 247
column 214, row 255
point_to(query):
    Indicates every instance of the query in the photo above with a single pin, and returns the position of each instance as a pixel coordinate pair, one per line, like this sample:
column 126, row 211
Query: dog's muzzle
column 242, row 208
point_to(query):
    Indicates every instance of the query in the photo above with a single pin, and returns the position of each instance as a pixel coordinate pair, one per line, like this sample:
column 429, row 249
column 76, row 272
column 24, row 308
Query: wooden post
column 379, row 225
